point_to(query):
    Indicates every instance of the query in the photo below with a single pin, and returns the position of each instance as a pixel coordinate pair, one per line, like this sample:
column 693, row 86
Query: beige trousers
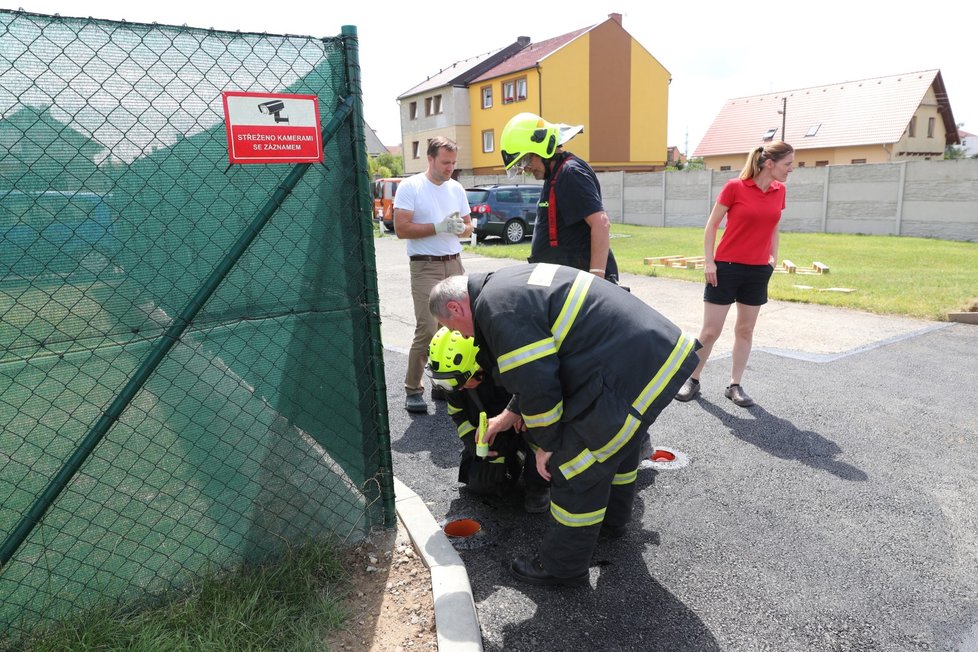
column 424, row 276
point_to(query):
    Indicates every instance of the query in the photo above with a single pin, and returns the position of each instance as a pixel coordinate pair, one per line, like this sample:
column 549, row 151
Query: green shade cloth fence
column 191, row 373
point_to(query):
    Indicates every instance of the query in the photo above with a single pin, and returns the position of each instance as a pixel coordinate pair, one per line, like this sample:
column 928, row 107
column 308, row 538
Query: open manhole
column 462, row 528
column 664, row 458
column 465, row 533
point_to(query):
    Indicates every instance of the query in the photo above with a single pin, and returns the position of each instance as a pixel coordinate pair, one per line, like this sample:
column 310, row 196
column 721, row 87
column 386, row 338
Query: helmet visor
column 448, row 380
column 519, row 166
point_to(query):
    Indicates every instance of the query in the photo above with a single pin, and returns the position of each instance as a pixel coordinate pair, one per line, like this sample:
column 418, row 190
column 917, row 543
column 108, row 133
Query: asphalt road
column 840, row 513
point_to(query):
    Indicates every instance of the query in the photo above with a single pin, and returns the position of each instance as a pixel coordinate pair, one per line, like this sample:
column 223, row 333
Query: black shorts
column 746, row 284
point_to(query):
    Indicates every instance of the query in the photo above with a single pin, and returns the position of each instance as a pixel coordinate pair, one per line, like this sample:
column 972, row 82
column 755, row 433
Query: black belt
column 432, row 259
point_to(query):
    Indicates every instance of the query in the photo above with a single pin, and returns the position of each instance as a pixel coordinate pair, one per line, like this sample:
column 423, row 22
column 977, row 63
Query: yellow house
column 597, row 76
column 879, row 120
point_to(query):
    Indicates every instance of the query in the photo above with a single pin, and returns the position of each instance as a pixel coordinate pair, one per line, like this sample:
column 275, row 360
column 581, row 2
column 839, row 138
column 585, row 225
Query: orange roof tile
column 850, row 113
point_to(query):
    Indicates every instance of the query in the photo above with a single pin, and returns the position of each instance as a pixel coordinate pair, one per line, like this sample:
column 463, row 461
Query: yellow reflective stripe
column 529, row 353
column 497, row 460
column 570, row 519
column 465, row 428
column 578, row 464
column 453, row 410
column 572, row 305
column 625, row 478
column 626, row 432
column 544, row 418
column 664, row 375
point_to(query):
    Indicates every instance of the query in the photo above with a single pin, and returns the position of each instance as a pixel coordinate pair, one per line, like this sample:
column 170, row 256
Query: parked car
column 384, row 191
column 506, row 211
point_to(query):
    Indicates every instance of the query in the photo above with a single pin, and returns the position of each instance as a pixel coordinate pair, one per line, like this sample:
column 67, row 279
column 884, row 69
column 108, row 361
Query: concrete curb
column 455, row 616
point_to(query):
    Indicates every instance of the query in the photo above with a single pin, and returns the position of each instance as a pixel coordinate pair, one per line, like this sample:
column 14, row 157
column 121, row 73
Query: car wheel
column 514, row 232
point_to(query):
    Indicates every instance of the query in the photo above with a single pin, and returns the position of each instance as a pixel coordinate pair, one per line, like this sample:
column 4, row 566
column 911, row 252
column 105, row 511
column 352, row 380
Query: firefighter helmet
column 451, row 359
column 527, row 133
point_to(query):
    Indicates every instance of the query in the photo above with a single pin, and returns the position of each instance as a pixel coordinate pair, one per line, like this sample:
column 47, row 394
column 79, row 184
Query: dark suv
column 505, row 211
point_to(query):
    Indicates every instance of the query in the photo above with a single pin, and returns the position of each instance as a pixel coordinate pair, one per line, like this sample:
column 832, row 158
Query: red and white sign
column 272, row 128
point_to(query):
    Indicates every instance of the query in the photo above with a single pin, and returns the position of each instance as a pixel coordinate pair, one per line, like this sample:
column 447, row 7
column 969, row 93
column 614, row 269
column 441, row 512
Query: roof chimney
column 615, row 17
column 523, row 41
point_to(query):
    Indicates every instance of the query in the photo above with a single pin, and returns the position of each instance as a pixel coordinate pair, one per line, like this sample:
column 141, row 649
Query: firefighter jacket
column 592, row 365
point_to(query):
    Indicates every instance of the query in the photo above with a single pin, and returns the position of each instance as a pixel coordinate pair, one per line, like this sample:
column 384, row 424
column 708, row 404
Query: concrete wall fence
column 928, row 199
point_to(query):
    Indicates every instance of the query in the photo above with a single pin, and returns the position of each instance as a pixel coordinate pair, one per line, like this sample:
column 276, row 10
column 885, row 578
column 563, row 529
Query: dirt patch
column 390, row 600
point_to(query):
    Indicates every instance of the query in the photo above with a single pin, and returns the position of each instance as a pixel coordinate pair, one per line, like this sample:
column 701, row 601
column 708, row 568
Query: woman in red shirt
column 744, row 261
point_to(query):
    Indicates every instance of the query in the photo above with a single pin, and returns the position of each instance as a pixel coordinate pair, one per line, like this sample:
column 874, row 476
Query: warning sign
column 272, row 128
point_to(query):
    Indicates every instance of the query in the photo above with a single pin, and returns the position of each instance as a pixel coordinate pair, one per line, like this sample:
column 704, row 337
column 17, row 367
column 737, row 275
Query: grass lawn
column 917, row 277
column 287, row 605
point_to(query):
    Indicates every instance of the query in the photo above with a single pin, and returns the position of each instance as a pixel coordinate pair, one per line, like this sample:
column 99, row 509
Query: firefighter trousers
column 577, row 512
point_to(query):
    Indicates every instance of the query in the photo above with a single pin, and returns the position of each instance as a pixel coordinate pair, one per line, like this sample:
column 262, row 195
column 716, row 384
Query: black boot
column 529, row 569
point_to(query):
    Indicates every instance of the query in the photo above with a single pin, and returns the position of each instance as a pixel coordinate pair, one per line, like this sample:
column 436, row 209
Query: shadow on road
column 434, row 433
column 780, row 438
column 627, row 608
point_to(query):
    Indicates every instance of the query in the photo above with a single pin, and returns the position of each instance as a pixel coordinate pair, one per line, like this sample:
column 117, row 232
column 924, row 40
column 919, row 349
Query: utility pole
column 784, row 115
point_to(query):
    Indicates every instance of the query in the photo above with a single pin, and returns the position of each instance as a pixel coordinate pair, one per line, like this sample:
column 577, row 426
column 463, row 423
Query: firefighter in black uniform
column 572, row 227
column 474, row 401
column 591, row 367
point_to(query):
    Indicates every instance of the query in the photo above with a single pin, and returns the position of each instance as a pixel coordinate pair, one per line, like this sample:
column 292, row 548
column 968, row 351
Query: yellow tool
column 481, row 445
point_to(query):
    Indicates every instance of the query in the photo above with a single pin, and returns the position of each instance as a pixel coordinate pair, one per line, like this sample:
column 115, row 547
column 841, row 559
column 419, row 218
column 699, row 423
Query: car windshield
column 476, row 196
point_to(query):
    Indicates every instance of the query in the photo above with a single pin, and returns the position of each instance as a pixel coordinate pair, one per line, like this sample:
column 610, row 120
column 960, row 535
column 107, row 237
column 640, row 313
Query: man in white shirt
column 431, row 212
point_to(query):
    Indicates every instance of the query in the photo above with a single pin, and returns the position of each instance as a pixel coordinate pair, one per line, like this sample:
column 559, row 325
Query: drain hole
column 662, row 455
column 462, row 528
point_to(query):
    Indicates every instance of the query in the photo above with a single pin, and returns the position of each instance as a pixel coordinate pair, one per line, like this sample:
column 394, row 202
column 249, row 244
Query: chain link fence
column 191, row 373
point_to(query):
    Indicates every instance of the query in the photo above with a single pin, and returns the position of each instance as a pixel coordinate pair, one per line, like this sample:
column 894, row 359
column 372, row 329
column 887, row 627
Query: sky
column 713, row 50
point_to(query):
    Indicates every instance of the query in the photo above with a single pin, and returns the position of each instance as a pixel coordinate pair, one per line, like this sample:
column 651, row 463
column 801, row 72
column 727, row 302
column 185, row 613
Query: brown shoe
column 688, row 391
column 737, row 394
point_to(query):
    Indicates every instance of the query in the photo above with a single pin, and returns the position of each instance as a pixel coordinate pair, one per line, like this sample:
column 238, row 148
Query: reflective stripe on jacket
column 591, row 363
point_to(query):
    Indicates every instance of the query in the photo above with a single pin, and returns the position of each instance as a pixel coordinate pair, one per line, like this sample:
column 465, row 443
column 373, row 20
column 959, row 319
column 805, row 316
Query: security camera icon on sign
column 274, row 108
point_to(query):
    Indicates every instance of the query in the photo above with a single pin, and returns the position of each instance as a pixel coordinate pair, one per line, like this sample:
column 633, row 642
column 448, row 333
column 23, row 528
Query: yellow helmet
column 451, row 359
column 527, row 133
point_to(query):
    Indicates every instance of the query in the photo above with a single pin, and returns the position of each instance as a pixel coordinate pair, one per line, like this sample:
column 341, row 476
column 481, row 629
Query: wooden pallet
column 788, row 267
column 684, row 262
column 698, row 262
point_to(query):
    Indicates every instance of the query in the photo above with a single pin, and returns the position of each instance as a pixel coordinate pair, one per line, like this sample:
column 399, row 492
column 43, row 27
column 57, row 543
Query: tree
column 695, row 163
column 954, row 152
column 394, row 164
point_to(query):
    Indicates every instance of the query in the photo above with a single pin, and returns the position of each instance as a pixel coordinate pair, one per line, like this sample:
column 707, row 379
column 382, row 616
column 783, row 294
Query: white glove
column 452, row 224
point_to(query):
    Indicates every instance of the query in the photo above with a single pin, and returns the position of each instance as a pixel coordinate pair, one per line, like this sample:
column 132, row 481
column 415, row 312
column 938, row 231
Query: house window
column 813, row 130
column 427, row 106
column 821, row 164
column 414, row 110
column 930, row 127
column 801, row 164
column 487, row 97
column 521, row 89
column 415, row 149
column 858, row 161
column 509, row 92
column 912, row 127
column 488, row 141
column 437, row 104
column 724, row 168
column 769, row 134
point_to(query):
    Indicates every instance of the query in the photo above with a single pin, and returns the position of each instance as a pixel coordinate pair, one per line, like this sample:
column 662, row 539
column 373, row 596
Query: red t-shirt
column 752, row 217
